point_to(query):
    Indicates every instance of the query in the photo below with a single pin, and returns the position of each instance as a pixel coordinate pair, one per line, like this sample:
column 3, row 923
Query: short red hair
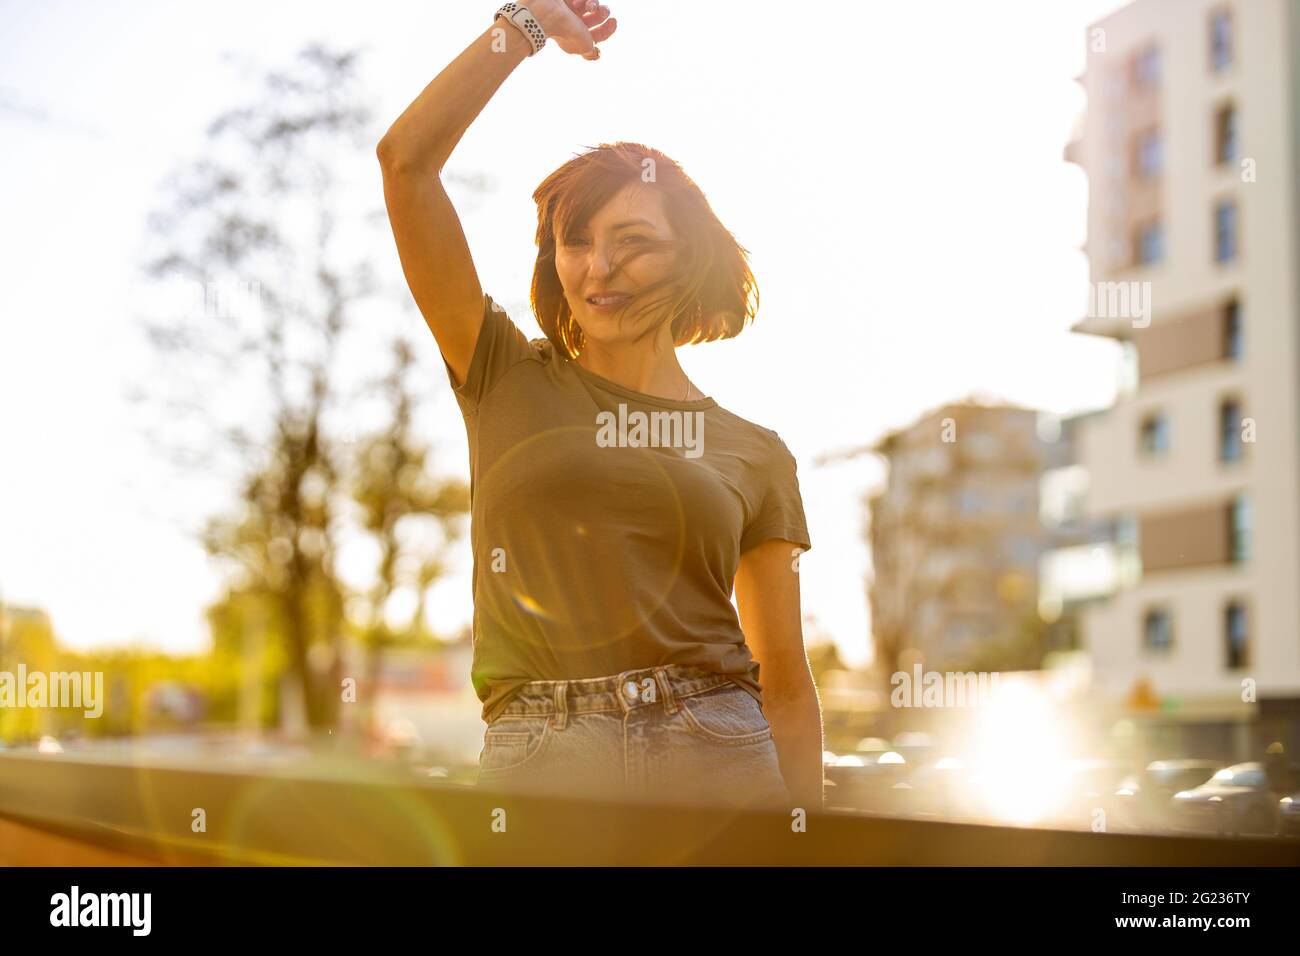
column 713, row 266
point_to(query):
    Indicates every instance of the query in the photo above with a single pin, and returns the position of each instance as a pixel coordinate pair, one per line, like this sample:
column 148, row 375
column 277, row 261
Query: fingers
column 583, row 9
column 595, row 16
column 589, row 11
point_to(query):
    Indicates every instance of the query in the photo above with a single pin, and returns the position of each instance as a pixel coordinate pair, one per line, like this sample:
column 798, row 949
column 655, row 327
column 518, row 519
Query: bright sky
column 915, row 234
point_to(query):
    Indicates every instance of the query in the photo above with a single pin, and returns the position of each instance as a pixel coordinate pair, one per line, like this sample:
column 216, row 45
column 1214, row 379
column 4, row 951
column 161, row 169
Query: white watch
column 523, row 19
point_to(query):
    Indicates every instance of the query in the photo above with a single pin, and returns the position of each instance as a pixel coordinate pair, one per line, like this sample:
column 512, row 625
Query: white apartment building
column 1190, row 143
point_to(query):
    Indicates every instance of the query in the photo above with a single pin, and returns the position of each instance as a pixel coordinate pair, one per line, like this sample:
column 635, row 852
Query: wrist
column 518, row 20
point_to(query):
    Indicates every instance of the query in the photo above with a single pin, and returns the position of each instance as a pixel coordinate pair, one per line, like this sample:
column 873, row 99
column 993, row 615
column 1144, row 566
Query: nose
column 598, row 263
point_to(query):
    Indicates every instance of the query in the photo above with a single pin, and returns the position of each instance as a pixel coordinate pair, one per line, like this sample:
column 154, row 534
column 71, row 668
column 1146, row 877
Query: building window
column 1149, row 244
column 1149, row 157
column 983, row 446
column 1022, row 550
column 1239, row 528
column 1126, row 532
column 1229, row 430
column 1236, row 634
column 1225, row 135
column 1220, row 40
column 1128, row 556
column 1155, row 435
column 1129, row 369
column 1225, row 230
column 1158, row 629
column 1232, row 345
column 1146, row 68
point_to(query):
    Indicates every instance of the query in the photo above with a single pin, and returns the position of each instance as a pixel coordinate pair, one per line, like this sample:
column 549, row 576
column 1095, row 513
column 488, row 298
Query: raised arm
column 430, row 241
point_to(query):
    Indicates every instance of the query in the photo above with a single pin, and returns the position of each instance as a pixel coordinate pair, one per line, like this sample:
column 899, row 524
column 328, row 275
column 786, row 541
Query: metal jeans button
column 630, row 690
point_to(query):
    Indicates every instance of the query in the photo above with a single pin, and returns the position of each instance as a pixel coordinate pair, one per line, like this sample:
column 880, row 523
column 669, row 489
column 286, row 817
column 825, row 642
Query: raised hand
column 575, row 25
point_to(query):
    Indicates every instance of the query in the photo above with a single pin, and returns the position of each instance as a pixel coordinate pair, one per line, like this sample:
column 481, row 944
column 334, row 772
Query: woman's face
column 586, row 260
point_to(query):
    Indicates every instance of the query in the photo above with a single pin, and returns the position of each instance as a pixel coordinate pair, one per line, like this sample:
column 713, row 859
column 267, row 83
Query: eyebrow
column 630, row 222
column 620, row 225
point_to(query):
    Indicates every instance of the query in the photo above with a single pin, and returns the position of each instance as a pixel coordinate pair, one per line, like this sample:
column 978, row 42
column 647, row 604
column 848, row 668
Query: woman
column 614, row 505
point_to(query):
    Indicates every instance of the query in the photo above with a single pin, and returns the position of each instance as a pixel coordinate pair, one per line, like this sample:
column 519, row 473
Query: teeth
column 606, row 299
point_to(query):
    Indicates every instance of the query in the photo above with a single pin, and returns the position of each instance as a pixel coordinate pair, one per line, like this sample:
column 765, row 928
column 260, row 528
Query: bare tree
column 256, row 234
column 396, row 494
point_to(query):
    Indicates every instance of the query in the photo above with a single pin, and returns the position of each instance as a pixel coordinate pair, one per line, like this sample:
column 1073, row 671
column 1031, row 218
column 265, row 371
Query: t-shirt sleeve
column 501, row 345
column 781, row 514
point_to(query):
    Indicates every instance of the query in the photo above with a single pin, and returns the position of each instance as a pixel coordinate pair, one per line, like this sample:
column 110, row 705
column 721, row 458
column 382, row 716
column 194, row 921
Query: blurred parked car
column 1144, row 802
column 1238, row 800
column 863, row 781
column 938, row 790
column 1288, row 810
column 916, row 746
column 1091, row 785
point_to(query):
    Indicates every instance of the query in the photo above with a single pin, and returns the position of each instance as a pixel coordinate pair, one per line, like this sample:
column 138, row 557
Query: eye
column 630, row 238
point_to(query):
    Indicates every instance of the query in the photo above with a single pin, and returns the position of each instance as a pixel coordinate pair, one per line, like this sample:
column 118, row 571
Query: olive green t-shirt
column 607, row 524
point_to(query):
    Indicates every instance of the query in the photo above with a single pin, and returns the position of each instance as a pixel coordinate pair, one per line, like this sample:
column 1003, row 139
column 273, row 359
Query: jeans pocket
column 513, row 740
column 726, row 714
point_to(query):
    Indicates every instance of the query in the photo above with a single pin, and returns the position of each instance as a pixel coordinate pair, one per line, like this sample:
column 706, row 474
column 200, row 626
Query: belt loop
column 665, row 683
column 561, row 704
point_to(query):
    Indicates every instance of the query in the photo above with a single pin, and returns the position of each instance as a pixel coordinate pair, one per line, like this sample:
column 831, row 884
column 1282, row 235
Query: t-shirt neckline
column 609, row 386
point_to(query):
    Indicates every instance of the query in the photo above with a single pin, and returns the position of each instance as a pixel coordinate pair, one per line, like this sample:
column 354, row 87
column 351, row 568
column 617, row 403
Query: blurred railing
column 63, row 809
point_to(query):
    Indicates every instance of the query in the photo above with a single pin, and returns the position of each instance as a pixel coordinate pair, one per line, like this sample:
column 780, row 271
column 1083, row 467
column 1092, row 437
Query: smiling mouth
column 611, row 299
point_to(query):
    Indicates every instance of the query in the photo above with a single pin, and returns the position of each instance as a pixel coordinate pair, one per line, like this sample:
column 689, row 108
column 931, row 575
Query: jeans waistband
column 622, row 692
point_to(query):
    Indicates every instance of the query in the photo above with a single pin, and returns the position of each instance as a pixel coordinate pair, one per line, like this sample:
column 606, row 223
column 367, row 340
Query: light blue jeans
column 666, row 734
